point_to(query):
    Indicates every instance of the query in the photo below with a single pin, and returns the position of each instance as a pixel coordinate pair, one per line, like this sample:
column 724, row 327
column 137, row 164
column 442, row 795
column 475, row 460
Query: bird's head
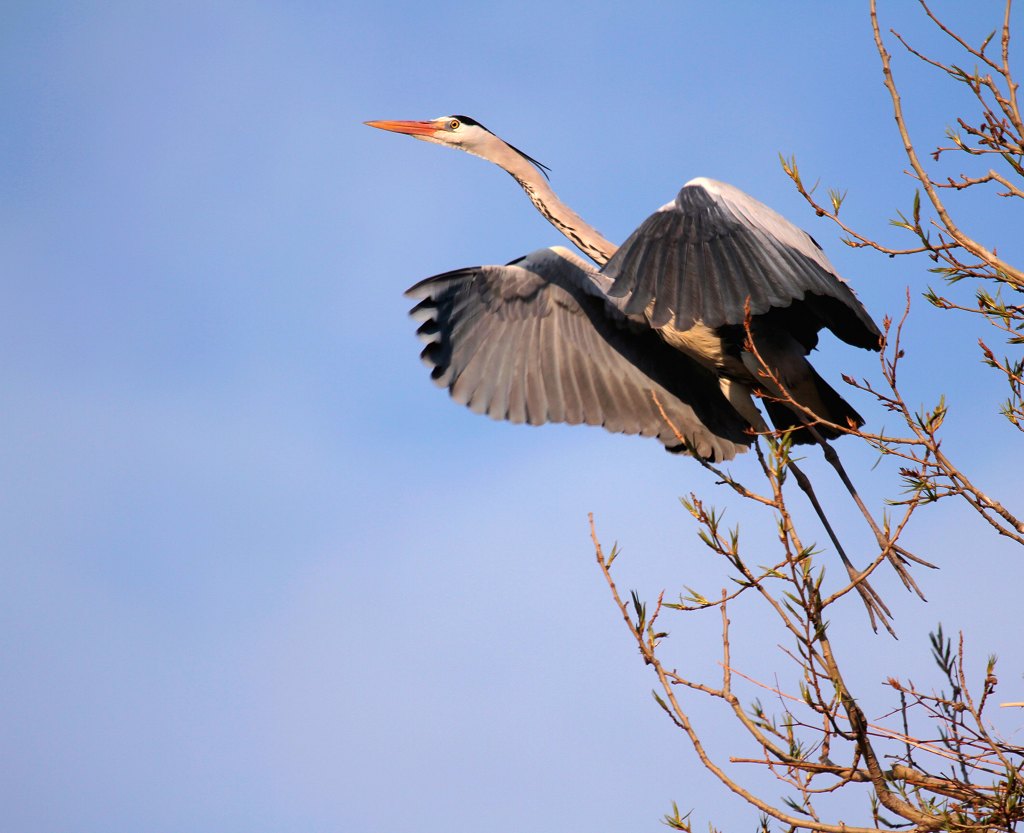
column 460, row 132
column 455, row 131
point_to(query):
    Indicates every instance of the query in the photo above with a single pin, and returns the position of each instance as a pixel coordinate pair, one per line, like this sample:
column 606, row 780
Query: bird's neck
column 583, row 235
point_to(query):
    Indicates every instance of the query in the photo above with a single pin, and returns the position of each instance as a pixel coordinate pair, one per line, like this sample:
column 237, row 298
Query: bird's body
column 668, row 319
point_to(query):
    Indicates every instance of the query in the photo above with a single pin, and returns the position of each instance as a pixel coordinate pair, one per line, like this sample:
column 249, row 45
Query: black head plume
column 540, row 166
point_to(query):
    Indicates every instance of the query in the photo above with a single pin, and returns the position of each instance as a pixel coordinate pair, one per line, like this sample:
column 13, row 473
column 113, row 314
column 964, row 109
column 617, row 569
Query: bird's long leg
column 897, row 555
column 876, row 608
column 872, row 601
column 777, row 389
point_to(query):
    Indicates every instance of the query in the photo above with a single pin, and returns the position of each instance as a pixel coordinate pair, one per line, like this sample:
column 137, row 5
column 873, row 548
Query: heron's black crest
column 540, row 166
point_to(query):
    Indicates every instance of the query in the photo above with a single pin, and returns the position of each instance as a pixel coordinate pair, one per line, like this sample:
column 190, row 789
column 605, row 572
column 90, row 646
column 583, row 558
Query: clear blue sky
column 257, row 572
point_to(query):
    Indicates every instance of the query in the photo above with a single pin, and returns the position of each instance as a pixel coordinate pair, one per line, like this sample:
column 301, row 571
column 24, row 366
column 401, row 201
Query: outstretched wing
column 536, row 341
column 702, row 256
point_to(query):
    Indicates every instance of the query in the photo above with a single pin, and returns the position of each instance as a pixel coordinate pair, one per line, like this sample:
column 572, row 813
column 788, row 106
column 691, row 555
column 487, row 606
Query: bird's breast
column 704, row 344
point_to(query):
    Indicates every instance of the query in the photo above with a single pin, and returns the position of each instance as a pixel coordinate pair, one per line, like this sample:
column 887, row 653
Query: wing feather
column 538, row 342
column 701, row 257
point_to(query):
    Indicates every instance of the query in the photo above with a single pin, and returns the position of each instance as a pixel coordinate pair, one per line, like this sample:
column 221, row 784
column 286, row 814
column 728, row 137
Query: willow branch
column 1007, row 272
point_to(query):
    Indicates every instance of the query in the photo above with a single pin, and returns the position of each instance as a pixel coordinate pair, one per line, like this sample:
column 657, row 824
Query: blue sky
column 259, row 574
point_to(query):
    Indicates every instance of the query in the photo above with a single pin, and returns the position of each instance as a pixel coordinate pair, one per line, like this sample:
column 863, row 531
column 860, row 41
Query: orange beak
column 411, row 128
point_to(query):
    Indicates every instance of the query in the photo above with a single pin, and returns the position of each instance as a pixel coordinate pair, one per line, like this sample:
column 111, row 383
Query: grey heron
column 549, row 338
column 714, row 299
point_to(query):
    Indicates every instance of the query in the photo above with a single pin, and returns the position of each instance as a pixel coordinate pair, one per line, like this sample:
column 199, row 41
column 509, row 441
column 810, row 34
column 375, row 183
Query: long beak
column 412, row 128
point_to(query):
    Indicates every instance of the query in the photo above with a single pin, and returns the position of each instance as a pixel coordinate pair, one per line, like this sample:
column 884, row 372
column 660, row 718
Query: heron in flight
column 658, row 331
column 713, row 300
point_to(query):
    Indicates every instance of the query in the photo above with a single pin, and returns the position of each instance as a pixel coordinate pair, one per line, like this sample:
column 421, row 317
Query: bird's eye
column 454, row 124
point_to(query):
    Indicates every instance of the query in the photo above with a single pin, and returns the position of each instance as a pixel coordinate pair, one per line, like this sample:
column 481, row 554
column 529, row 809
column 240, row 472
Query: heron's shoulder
column 552, row 257
column 718, row 191
column 703, row 190
column 712, row 186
